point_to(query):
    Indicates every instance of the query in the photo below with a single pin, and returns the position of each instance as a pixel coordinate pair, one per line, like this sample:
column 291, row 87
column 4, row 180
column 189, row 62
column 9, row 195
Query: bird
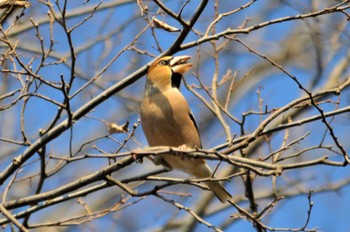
column 166, row 120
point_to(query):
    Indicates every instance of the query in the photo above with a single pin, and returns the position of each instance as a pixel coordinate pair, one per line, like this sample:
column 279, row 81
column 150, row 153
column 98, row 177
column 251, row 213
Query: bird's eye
column 163, row 62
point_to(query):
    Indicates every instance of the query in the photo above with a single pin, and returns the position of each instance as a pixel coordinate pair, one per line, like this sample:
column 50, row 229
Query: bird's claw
column 182, row 147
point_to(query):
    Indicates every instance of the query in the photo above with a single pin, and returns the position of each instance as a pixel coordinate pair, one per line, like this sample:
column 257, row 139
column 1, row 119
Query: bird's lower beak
column 179, row 64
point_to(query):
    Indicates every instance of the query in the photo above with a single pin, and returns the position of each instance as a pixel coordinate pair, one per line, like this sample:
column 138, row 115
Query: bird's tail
column 204, row 172
column 219, row 191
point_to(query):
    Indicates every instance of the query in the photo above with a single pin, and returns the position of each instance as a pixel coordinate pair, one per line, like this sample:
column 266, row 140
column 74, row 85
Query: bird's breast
column 165, row 120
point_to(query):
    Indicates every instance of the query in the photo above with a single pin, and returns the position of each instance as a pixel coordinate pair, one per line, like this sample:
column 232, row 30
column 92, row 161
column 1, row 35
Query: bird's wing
column 195, row 125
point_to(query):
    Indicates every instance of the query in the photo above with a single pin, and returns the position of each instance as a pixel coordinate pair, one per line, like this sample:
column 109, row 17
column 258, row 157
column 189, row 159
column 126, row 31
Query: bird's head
column 167, row 71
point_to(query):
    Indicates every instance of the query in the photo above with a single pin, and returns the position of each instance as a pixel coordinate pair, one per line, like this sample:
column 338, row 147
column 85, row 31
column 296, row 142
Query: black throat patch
column 176, row 80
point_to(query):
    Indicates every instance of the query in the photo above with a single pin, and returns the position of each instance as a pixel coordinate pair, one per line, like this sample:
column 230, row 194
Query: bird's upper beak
column 179, row 64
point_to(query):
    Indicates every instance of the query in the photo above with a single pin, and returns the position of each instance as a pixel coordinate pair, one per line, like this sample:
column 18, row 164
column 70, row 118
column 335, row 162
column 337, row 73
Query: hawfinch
column 167, row 120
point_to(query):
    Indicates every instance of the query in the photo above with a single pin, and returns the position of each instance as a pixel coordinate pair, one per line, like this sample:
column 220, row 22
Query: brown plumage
column 167, row 121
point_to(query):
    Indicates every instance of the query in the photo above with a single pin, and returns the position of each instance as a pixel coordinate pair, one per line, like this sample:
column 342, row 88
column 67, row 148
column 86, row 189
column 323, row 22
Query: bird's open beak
column 179, row 64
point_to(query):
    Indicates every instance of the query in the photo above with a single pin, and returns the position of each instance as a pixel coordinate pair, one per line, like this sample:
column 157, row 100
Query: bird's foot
column 182, row 147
